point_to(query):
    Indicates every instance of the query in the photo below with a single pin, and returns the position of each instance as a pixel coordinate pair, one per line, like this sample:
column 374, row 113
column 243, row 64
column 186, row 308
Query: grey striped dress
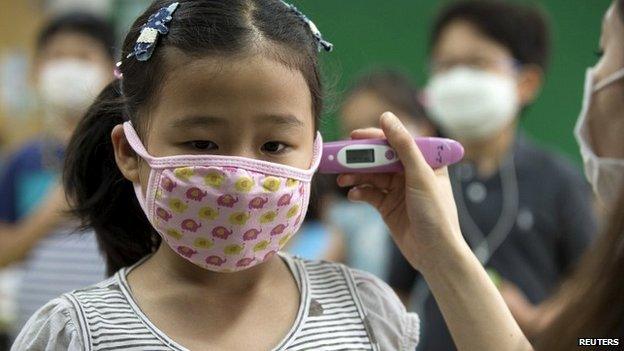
column 341, row 309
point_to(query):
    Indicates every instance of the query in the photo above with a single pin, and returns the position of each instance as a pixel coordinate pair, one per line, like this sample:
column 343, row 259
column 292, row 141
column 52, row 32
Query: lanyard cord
column 487, row 245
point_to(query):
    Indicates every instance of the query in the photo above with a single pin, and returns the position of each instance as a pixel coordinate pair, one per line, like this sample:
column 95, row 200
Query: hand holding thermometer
column 376, row 156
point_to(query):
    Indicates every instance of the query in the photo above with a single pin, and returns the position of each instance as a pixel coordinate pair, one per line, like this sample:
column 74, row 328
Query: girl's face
column 250, row 106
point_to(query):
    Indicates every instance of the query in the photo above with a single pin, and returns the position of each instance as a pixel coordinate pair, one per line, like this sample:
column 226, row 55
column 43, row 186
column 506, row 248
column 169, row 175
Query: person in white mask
column 73, row 62
column 525, row 211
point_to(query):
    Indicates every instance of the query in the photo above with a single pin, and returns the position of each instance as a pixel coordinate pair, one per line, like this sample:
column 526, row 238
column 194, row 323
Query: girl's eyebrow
column 288, row 121
column 197, row 121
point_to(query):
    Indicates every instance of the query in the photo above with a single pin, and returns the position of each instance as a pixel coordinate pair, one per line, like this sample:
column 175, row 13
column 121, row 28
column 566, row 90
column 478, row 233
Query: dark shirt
column 551, row 221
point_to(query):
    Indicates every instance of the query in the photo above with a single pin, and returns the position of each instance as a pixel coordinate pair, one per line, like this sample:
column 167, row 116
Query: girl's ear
column 125, row 157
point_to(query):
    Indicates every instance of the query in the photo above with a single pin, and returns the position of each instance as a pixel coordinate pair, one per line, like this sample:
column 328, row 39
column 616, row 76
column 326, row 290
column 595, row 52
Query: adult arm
column 419, row 209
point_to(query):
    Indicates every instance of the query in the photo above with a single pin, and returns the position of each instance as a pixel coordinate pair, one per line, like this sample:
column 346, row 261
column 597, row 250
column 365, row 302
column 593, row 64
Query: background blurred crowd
column 524, row 206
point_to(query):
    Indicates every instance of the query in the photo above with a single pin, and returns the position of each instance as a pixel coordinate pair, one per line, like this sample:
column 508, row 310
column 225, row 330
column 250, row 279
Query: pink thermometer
column 376, row 156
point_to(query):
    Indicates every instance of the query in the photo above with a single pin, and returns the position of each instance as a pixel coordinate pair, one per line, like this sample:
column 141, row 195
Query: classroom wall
column 373, row 33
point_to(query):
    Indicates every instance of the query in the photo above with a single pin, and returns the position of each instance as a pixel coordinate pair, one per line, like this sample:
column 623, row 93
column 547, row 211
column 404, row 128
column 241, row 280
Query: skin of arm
column 533, row 319
column 16, row 240
column 420, row 212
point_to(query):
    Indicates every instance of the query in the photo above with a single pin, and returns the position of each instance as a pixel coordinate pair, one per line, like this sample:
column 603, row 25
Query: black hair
column 392, row 86
column 522, row 29
column 100, row 196
column 81, row 23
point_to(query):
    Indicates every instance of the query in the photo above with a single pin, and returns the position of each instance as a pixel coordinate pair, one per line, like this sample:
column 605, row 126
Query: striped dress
column 332, row 315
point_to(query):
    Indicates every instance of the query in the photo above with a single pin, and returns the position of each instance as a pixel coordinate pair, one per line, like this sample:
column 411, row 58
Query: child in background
column 73, row 62
column 366, row 242
column 318, row 239
column 194, row 169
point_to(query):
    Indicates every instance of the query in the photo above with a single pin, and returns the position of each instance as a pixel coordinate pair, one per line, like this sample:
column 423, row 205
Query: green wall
column 369, row 33
column 374, row 33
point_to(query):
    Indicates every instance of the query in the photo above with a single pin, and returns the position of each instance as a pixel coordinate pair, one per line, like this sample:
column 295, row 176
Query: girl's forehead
column 232, row 87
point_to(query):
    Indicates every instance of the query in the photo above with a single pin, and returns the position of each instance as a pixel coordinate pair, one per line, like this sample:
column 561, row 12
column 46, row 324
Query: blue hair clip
column 156, row 24
column 321, row 43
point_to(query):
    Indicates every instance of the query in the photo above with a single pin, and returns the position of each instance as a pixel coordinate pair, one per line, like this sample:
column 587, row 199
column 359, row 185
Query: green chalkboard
column 372, row 33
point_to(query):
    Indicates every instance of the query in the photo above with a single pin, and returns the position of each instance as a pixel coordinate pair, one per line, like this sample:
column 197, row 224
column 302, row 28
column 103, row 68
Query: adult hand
column 417, row 205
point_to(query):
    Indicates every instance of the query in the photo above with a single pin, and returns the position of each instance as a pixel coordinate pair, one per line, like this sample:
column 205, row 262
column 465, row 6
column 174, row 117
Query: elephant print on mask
column 244, row 262
column 251, row 234
column 186, row 251
column 258, row 202
column 195, row 194
column 215, row 260
column 227, row 200
column 278, row 229
column 163, row 214
column 284, row 200
column 221, row 232
column 190, row 225
column 168, row 184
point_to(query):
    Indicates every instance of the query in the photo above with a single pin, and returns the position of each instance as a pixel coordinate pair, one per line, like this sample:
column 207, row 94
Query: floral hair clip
column 321, row 43
column 156, row 24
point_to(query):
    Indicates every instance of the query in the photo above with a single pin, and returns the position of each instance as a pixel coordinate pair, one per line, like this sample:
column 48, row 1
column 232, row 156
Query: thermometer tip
column 457, row 151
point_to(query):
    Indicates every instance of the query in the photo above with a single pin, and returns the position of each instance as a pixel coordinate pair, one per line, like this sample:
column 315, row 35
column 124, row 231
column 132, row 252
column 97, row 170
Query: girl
column 194, row 168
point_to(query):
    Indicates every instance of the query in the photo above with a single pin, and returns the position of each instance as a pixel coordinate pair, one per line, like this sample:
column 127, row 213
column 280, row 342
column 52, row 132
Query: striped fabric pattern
column 331, row 316
column 61, row 262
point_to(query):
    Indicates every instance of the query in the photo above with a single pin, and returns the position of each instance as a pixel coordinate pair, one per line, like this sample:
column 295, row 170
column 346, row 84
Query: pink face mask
column 224, row 213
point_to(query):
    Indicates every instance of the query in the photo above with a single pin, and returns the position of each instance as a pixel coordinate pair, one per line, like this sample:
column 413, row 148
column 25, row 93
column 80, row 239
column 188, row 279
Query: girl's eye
column 203, row 145
column 273, row 147
column 599, row 53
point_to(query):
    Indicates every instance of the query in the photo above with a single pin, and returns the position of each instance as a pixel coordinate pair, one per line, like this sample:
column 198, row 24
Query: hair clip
column 321, row 43
column 156, row 24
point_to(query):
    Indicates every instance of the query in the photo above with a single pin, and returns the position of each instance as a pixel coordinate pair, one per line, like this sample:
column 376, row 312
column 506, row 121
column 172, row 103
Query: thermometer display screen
column 360, row 156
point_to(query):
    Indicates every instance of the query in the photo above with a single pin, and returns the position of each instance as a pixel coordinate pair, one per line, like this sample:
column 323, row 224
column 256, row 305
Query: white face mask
column 70, row 85
column 471, row 104
column 606, row 175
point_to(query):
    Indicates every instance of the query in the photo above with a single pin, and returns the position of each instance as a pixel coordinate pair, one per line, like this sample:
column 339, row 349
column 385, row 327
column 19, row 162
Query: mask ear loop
column 617, row 75
column 135, row 142
column 137, row 146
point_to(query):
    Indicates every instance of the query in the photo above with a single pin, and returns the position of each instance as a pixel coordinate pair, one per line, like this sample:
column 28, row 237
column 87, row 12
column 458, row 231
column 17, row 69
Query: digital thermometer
column 376, row 156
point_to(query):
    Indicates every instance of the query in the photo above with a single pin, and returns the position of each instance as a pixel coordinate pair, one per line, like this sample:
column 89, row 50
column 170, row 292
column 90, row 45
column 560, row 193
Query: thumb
column 404, row 145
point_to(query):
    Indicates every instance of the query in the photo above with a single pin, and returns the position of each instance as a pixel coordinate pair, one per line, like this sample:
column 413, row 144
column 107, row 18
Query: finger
column 404, row 145
column 372, row 196
column 378, row 180
column 368, row 133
